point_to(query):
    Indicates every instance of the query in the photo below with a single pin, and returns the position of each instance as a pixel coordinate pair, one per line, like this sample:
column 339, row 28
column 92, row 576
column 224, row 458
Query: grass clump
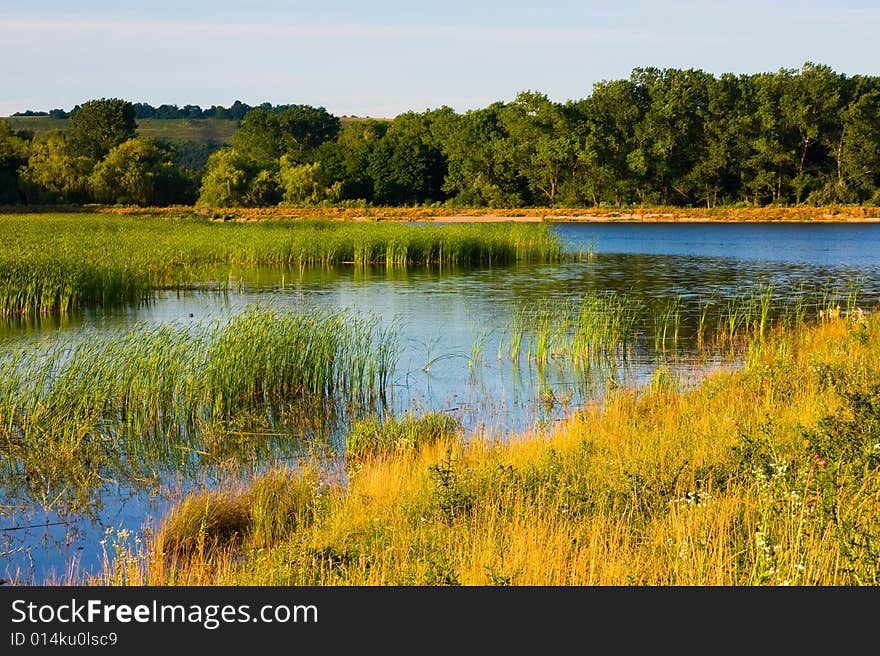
column 590, row 328
column 125, row 405
column 373, row 435
column 150, row 378
column 273, row 505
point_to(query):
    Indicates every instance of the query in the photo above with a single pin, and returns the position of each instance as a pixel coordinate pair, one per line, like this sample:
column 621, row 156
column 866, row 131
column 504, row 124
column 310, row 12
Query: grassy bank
column 59, row 262
column 764, row 475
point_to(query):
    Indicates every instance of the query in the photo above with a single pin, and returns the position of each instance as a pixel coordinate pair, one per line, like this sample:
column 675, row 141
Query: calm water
column 451, row 326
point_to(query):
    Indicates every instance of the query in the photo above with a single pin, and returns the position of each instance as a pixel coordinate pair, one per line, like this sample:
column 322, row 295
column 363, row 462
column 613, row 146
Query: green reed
column 478, row 346
column 703, row 323
column 157, row 378
column 603, row 323
column 667, row 323
column 59, row 262
column 127, row 405
column 584, row 329
column 373, row 435
column 599, row 327
column 765, row 304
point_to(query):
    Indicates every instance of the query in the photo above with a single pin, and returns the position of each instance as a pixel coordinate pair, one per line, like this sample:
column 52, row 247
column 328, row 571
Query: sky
column 384, row 58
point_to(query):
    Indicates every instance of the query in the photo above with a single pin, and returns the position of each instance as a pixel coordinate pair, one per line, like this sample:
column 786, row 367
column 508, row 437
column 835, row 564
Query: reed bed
column 152, row 375
column 595, row 326
column 121, row 405
column 371, row 435
column 56, row 263
column 601, row 327
column 762, row 475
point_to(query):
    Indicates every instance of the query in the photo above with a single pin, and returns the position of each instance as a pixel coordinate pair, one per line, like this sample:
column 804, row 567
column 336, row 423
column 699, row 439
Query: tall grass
column 595, row 326
column 127, row 404
column 375, row 435
column 56, row 263
column 153, row 375
column 667, row 323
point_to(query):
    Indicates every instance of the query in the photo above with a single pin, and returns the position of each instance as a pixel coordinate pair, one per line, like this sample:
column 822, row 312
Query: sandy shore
column 631, row 218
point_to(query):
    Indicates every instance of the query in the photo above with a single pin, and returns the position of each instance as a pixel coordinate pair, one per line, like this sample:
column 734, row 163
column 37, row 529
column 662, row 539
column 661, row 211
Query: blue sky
column 385, row 58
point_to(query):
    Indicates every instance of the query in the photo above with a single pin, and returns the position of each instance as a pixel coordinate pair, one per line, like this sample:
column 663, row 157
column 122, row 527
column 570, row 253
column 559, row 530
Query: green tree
column 541, row 142
column 610, row 114
column 305, row 128
column 263, row 189
column 54, row 174
column 14, row 153
column 858, row 153
column 138, row 172
column 406, row 165
column 265, row 135
column 810, row 109
column 481, row 170
column 345, row 160
column 715, row 174
column 668, row 137
column 97, row 126
column 300, row 183
column 259, row 138
column 772, row 158
column 225, row 180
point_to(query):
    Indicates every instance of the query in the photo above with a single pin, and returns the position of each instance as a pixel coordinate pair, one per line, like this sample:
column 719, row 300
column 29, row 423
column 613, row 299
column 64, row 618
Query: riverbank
column 764, row 475
column 841, row 214
column 586, row 215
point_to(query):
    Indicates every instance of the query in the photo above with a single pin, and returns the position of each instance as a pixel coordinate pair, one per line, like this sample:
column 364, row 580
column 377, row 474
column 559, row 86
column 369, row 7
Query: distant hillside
column 177, row 130
column 208, row 131
column 195, row 138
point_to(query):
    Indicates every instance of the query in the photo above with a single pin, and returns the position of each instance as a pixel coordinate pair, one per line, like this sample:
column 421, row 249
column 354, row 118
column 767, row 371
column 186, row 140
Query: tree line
column 235, row 112
column 661, row 137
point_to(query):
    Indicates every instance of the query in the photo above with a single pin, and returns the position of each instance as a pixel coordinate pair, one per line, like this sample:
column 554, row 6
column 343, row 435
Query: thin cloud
column 415, row 32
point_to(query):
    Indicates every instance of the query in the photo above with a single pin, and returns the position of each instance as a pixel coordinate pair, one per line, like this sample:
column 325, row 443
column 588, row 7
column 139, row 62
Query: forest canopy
column 661, row 137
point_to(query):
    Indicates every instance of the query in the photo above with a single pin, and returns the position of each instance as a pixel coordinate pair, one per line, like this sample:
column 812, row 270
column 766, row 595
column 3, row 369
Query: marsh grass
column 667, row 323
column 478, row 348
column 594, row 327
column 271, row 506
column 125, row 405
column 56, row 263
column 762, row 475
column 601, row 327
column 152, row 377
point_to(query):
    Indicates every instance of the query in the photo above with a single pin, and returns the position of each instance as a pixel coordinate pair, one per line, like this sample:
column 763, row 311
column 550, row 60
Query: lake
column 454, row 332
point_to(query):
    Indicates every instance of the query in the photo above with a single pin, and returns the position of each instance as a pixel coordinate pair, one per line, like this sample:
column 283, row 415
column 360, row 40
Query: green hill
column 195, row 138
column 216, row 131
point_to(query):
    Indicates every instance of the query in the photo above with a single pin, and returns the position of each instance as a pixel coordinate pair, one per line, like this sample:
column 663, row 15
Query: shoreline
column 852, row 214
column 633, row 218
